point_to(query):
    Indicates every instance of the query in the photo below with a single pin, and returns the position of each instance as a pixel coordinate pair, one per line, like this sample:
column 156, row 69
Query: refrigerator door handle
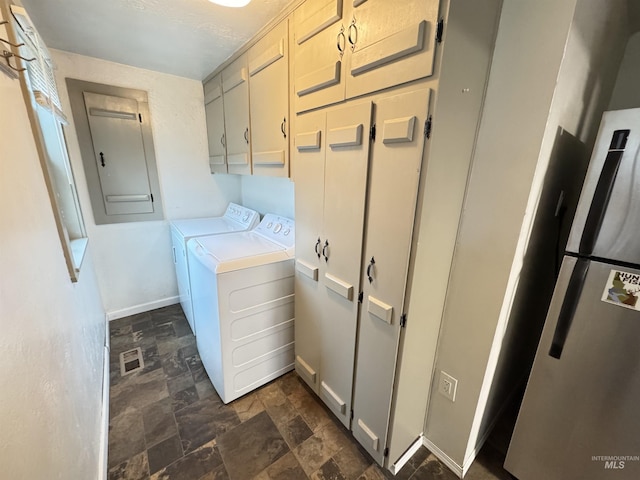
column 569, row 305
column 602, row 193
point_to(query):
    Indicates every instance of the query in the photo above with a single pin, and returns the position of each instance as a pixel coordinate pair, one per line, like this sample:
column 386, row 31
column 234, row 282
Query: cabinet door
column 393, row 188
column 319, row 50
column 269, row 99
column 235, row 87
column 214, row 111
column 389, row 45
column 308, row 157
column 118, row 144
column 346, row 165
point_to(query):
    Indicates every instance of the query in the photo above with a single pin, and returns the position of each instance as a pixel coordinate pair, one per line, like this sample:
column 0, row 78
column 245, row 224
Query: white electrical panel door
column 346, row 166
column 394, row 175
column 235, row 87
column 320, row 44
column 389, row 44
column 308, row 163
column 214, row 111
column 269, row 100
column 116, row 132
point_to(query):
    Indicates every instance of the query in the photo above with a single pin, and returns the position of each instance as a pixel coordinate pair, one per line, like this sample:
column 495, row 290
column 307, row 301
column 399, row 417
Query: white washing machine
column 236, row 219
column 242, row 290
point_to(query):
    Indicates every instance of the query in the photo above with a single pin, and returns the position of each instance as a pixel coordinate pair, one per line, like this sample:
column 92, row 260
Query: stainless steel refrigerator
column 580, row 416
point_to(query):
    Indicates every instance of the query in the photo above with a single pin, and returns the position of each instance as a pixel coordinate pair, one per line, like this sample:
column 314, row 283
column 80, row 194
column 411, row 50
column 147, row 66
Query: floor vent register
column 131, row 361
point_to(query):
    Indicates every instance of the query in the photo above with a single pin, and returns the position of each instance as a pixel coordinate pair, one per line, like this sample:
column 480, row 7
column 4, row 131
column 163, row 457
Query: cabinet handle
column 246, row 135
column 175, row 260
column 102, row 159
column 340, row 41
column 324, row 250
column 369, row 268
column 283, row 126
column 317, row 247
column 222, row 141
column 353, row 34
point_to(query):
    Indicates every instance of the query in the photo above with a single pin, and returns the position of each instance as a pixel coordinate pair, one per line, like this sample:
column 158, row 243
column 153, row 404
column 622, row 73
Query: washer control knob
column 246, row 217
column 270, row 224
column 277, row 228
column 286, row 232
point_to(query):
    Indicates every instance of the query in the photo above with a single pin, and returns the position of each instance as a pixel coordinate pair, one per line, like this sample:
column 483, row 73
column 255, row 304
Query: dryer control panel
column 241, row 214
column 277, row 229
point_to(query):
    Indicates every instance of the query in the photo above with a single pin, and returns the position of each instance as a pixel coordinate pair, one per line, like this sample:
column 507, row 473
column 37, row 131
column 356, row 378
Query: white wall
column 268, row 195
column 133, row 260
column 52, row 330
column 626, row 93
column 537, row 83
column 528, row 51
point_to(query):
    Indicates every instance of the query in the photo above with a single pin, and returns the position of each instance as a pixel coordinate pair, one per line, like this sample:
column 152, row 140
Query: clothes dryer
column 242, row 290
column 235, row 219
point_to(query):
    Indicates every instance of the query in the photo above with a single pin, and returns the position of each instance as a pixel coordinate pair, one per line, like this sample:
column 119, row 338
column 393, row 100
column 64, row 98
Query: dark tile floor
column 168, row 423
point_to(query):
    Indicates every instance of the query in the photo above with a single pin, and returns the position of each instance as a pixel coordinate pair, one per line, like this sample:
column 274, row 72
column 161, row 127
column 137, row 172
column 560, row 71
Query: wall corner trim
column 406, row 456
column 143, row 307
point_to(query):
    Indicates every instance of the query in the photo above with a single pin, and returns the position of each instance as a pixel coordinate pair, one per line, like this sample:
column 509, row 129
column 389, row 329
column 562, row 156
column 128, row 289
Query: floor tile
column 159, row 423
column 193, row 466
column 285, row 468
column 352, row 462
column 248, row 406
column 126, row 436
column 432, row 469
column 205, row 389
column 203, row 421
column 179, row 383
column 328, row 471
column 313, row 413
column 251, row 447
column 184, row 398
column 135, row 468
column 174, row 364
column 372, row 473
column 164, row 453
column 218, row 473
column 169, row 345
column 139, row 390
column 295, row 431
column 181, row 328
column 319, row 448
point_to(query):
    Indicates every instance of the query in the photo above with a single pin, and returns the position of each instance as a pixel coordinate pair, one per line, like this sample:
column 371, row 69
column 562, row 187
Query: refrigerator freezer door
column 579, row 417
column 608, row 216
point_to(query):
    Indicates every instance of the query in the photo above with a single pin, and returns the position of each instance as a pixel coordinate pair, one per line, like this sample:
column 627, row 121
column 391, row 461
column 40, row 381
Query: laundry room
column 333, row 252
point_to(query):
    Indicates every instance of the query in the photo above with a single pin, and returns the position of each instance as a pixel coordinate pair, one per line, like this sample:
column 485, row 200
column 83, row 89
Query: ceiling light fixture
column 231, row 3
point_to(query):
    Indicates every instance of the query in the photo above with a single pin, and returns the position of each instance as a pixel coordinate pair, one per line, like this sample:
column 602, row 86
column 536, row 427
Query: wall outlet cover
column 448, row 386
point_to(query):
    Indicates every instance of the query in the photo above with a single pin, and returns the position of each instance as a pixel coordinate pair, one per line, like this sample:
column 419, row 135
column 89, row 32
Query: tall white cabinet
column 356, row 191
column 214, row 111
column 332, row 155
column 235, row 86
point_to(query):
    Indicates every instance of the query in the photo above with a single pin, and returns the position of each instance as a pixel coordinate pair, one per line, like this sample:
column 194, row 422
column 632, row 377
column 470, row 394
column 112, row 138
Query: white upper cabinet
column 347, row 48
column 320, row 44
column 235, row 88
column 269, row 100
column 214, row 111
column 389, row 42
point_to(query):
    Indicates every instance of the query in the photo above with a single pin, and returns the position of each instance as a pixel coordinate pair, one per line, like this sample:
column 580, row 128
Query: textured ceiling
column 189, row 38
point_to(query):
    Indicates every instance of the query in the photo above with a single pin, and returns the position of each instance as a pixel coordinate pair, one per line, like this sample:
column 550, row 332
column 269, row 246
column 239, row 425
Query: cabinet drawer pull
column 372, row 262
column 324, row 250
column 317, row 247
column 246, row 135
column 353, row 34
column 341, row 41
column 283, row 127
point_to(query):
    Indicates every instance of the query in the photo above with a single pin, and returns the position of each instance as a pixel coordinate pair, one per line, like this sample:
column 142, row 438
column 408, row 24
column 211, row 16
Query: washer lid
column 194, row 227
column 230, row 247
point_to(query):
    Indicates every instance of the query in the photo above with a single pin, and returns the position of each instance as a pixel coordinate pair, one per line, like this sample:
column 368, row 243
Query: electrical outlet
column 448, row 386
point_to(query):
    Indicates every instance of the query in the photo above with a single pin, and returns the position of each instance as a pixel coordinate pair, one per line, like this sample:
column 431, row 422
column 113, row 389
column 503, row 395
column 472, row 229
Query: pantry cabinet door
column 389, row 45
column 214, row 111
column 346, row 165
column 394, row 174
column 308, row 159
column 269, row 100
column 235, row 87
column 320, row 44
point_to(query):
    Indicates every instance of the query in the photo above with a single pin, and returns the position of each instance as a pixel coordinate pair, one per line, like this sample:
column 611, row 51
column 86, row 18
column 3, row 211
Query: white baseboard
column 143, row 307
column 443, row 457
column 104, row 427
column 406, row 456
